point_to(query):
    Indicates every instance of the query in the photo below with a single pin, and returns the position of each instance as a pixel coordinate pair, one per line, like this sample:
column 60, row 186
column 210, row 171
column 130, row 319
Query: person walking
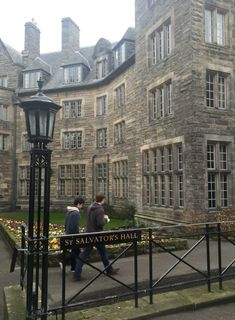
column 96, row 219
column 72, row 221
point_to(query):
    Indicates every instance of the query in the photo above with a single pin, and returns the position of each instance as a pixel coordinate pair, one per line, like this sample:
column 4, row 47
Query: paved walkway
column 225, row 311
column 164, row 302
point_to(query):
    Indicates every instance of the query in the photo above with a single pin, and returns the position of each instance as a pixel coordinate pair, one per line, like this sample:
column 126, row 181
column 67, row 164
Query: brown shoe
column 113, row 272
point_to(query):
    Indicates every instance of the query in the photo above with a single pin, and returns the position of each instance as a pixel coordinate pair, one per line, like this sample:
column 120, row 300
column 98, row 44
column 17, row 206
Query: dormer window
column 30, row 79
column 73, row 74
column 120, row 54
column 101, row 68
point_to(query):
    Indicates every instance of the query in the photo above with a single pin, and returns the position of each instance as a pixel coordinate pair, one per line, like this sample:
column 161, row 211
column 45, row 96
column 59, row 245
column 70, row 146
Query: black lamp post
column 40, row 113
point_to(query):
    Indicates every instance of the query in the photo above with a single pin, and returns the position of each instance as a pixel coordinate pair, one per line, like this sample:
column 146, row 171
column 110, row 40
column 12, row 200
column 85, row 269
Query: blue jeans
column 85, row 255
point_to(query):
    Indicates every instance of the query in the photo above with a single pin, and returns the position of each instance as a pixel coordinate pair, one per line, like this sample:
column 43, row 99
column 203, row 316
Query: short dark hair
column 99, row 197
column 78, row 200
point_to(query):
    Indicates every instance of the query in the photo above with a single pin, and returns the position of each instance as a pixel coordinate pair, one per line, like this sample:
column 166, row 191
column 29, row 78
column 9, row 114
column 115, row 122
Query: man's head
column 100, row 197
column 78, row 202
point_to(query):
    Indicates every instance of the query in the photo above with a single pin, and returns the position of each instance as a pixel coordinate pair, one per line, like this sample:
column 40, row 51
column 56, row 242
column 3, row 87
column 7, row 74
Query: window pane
column 211, row 190
column 168, row 32
column 220, row 29
column 211, row 156
column 222, row 92
column 153, row 44
column 223, row 157
column 224, row 190
column 209, row 90
column 161, row 44
column 153, row 105
column 208, row 26
column 169, row 99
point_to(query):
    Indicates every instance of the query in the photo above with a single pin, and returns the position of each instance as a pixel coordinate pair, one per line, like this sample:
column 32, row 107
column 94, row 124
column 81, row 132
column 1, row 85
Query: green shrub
column 109, row 209
column 129, row 211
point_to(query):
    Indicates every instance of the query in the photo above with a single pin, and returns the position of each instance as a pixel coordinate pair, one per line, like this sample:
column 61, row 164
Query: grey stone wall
column 7, row 157
column 186, row 66
column 191, row 123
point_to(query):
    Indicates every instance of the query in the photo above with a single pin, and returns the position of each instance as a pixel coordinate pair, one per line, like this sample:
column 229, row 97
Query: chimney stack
column 70, row 35
column 31, row 42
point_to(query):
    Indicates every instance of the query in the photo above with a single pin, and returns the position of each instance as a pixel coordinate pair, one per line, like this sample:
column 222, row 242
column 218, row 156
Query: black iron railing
column 160, row 277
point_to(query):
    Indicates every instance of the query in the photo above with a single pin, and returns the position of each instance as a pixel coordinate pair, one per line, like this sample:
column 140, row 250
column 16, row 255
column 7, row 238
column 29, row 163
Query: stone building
column 148, row 120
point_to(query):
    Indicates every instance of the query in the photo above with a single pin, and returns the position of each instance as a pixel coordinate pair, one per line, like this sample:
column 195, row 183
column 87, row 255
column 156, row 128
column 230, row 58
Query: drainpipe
column 15, row 102
column 108, row 163
column 93, row 177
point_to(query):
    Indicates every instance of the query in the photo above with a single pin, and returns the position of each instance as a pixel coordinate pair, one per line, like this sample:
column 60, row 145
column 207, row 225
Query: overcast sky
column 96, row 18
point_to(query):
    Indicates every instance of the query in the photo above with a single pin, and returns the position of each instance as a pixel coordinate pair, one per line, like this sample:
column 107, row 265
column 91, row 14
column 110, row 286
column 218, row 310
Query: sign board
column 110, row 237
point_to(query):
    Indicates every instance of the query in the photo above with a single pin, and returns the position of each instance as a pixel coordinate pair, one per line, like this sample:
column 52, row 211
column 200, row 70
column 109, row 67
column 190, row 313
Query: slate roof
column 39, row 64
column 54, row 62
column 14, row 54
column 129, row 35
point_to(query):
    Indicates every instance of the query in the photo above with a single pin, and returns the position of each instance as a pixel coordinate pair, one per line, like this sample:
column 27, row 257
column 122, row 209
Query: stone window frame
column 101, row 67
column 152, row 39
column 24, row 181
column 120, row 54
column 160, row 99
column 67, row 108
column 101, row 137
column 120, row 177
column 213, row 34
column 69, row 143
column 30, row 79
column 71, row 179
column 72, row 73
column 101, row 177
column 163, row 185
column 101, row 105
column 119, row 95
column 216, row 172
column 119, row 132
column 212, row 96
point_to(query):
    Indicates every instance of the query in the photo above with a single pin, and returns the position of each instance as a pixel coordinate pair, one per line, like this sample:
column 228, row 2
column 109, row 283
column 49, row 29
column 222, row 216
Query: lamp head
column 40, row 113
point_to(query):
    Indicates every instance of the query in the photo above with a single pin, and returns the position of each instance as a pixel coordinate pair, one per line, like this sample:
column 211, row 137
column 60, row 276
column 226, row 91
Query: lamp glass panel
column 51, row 124
column 43, row 123
column 32, row 122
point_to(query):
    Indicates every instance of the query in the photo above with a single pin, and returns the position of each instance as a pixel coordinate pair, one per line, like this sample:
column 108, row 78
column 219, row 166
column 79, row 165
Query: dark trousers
column 71, row 257
column 84, row 255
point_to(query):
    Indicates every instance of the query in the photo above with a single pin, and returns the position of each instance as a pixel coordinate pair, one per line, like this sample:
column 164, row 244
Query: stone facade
column 149, row 120
column 10, row 68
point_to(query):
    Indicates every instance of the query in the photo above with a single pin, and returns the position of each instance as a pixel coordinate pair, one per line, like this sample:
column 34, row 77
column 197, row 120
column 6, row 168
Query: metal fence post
column 219, row 255
column 208, row 257
column 150, row 235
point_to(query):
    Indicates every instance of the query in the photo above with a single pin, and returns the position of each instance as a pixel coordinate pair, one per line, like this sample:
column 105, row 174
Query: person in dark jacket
column 72, row 221
column 96, row 219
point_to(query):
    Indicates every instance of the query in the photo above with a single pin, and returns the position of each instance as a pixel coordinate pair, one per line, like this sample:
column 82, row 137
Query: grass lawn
column 58, row 218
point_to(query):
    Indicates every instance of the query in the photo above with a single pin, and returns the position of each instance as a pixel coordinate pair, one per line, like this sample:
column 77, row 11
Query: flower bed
column 11, row 231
